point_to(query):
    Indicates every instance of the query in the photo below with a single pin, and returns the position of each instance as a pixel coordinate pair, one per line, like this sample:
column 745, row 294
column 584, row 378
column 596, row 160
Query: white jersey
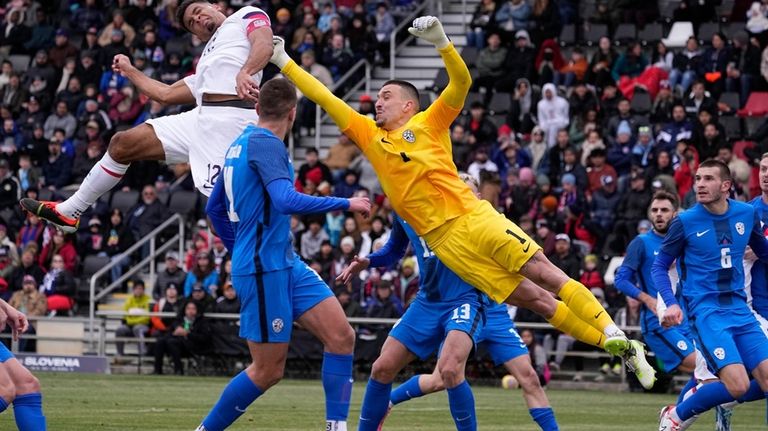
column 225, row 53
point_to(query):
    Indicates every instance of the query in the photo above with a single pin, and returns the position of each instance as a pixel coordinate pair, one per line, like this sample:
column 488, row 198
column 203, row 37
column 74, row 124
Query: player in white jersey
column 224, row 87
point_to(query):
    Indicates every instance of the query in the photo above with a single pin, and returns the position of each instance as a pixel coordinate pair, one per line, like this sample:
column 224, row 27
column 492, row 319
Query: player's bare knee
column 737, row 388
column 528, row 380
column 384, row 370
column 27, row 384
column 451, row 372
column 120, row 147
column 342, row 342
column 7, row 391
column 265, row 376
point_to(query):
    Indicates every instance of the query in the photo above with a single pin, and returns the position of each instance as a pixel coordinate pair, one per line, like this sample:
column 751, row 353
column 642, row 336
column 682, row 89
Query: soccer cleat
column 638, row 364
column 617, row 344
column 723, row 418
column 47, row 210
column 389, row 410
column 666, row 423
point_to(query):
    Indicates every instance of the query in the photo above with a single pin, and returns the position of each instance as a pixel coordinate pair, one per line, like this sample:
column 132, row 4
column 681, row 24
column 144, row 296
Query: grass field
column 96, row 402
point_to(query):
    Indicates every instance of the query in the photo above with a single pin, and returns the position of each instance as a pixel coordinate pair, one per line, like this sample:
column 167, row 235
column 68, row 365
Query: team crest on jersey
column 719, row 353
column 277, row 325
column 682, row 345
column 740, row 228
column 409, row 136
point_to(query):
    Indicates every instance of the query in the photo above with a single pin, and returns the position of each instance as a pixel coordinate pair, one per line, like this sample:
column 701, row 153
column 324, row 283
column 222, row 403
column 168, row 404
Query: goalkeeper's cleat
column 723, row 418
column 617, row 343
column 638, row 364
column 47, row 210
column 389, row 410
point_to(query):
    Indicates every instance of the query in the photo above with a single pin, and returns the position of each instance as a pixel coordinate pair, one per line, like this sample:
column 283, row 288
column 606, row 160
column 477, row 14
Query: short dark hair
column 663, row 195
column 410, row 90
column 183, row 9
column 725, row 172
column 281, row 94
column 312, row 150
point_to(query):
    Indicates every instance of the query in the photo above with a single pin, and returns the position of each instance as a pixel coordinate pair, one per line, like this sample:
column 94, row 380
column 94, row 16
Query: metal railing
column 393, row 46
column 319, row 117
column 150, row 238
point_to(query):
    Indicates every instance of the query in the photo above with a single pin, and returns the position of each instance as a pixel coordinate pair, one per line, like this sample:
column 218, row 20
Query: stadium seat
column 706, row 31
column 593, row 34
column 678, row 34
column 469, row 54
column 624, row 34
column 756, row 106
column 499, row 104
column 731, row 99
column 425, row 99
column 651, row 33
column 20, row 62
column 568, row 35
column 732, row 126
column 441, row 80
column 124, row 201
column 183, row 202
column 471, row 98
column 91, row 265
column 740, row 146
column 641, row 102
column 45, row 195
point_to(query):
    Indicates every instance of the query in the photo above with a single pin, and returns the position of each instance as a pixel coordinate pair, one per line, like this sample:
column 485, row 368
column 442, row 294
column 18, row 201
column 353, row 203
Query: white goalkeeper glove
column 430, row 29
column 279, row 57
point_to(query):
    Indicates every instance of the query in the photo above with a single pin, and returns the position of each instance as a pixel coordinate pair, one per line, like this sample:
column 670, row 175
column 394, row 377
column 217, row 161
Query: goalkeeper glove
column 279, row 57
column 430, row 29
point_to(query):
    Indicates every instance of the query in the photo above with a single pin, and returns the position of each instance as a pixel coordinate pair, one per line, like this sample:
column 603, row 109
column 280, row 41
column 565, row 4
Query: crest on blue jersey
column 277, row 325
column 409, row 136
column 740, row 228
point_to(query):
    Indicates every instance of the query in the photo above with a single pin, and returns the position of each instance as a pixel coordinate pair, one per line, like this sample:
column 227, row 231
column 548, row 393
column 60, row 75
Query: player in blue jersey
column 709, row 241
column 17, row 385
column 250, row 209
column 446, row 310
column 757, row 284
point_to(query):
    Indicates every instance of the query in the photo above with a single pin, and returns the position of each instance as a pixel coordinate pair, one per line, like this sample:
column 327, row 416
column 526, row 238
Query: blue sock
column 707, row 397
column 545, row 417
column 237, row 396
column 462, row 404
column 406, row 391
column 754, row 393
column 337, row 383
column 3, row 405
column 688, row 386
column 28, row 411
column 375, row 404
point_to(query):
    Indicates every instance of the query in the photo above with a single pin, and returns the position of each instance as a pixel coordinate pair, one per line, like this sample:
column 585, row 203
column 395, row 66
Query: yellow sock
column 565, row 320
column 584, row 304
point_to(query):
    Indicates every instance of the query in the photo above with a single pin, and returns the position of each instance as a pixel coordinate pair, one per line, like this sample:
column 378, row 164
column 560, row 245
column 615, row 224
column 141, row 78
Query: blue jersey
column 759, row 285
column 710, row 250
column 262, row 235
column 634, row 275
column 437, row 283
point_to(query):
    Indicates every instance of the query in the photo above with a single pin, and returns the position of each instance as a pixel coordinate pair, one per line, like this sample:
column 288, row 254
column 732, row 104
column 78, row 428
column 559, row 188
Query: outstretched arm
column 393, row 250
column 177, row 93
column 216, row 208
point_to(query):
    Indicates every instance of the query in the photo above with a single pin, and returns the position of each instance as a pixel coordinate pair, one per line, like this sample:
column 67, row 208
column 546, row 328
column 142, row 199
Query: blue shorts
column 271, row 301
column 671, row 346
column 500, row 337
column 5, row 354
column 425, row 324
column 728, row 336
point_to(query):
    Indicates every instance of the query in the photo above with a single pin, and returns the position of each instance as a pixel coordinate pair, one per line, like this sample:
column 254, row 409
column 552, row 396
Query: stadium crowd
column 574, row 160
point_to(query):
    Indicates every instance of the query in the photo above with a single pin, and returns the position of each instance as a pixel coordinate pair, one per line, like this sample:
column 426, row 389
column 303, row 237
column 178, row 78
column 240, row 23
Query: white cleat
column 666, row 423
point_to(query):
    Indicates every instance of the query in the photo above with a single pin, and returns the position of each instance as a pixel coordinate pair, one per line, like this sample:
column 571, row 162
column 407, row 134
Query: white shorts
column 201, row 137
column 702, row 371
column 761, row 320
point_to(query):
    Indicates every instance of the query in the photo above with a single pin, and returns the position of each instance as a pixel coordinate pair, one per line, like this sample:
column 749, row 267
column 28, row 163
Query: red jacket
column 67, row 252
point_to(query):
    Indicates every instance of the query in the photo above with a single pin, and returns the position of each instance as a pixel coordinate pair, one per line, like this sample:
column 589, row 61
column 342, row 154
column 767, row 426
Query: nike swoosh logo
column 384, row 140
column 239, row 409
column 206, row 186
column 598, row 314
column 700, row 234
column 655, row 253
column 525, row 250
column 460, row 321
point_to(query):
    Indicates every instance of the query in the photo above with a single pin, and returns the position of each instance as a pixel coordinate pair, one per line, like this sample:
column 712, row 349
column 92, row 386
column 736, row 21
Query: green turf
column 86, row 402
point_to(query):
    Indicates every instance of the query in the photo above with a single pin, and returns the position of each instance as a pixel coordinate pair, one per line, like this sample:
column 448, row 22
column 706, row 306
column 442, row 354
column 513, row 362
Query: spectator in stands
column 662, row 166
column 744, row 67
column 62, row 49
column 85, row 160
column 549, row 61
column 71, row 91
column 172, row 274
column 522, row 108
column 282, row 26
column 490, row 66
column 169, row 26
column 86, row 16
column 117, row 238
column 556, row 156
column 10, row 190
column 125, row 107
column 632, row 207
column 136, row 321
column 714, row 65
column 574, row 70
column 461, row 146
column 593, row 142
column 351, row 307
column 406, row 284
column 661, row 111
column 228, row 303
column 481, row 163
column 190, row 335
column 92, row 243
column 13, row 95
column 57, row 169
column 740, row 169
column 679, row 128
column 28, row 175
column 552, row 113
column 63, row 246
column 563, row 258
column 544, row 21
column 341, row 154
column 168, row 302
column 508, row 155
column 604, row 202
column 14, row 34
column 89, row 70
column 481, row 130
column 519, row 62
column 201, row 297
column 5, row 73
column 537, row 148
column 11, row 138
column 141, row 13
column 699, row 99
column 31, row 232
column 118, row 24
column 582, row 101
column 484, row 18
column 306, row 109
column 709, row 141
column 308, row 25
column 384, row 25
column 348, row 185
column 324, row 260
column 313, row 169
column 59, row 287
column 27, row 267
column 312, row 239
column 631, row 63
column 685, row 66
column 32, row 303
column 204, row 272
column 42, row 34
column 220, row 256
column 116, row 46
column 644, row 148
column 602, row 63
column 148, row 214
